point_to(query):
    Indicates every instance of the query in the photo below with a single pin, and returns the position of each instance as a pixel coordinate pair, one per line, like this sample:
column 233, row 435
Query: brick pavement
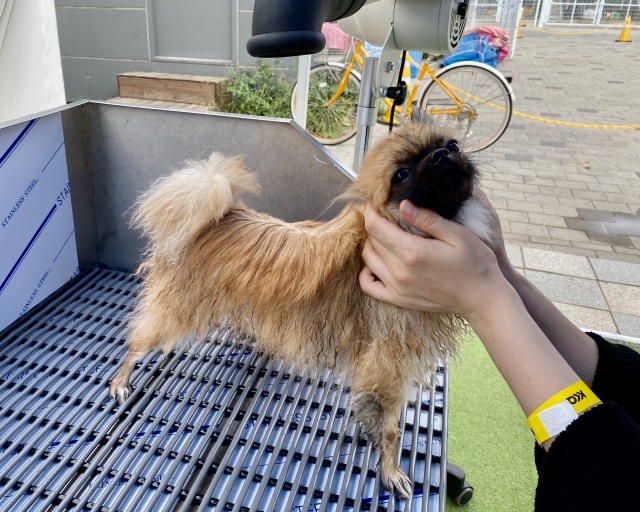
column 572, row 190
column 567, row 189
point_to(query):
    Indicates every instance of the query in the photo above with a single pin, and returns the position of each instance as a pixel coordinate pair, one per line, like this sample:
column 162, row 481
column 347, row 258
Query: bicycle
column 471, row 99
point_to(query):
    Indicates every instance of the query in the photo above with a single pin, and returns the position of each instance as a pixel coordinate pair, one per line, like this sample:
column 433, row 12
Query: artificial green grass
column 488, row 436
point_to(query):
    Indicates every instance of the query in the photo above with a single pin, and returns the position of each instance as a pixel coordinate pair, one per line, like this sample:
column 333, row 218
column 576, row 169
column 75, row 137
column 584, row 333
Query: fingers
column 430, row 223
column 374, row 263
column 372, row 286
column 384, row 231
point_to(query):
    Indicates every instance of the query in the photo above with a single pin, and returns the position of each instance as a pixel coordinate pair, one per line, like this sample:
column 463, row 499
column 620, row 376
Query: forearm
column 578, row 349
column 531, row 366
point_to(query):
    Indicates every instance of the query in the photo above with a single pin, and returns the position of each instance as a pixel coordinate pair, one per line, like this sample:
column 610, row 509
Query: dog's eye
column 452, row 146
column 399, row 176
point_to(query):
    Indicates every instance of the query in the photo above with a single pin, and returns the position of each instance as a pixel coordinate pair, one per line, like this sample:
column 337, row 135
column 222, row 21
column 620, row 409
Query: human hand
column 453, row 272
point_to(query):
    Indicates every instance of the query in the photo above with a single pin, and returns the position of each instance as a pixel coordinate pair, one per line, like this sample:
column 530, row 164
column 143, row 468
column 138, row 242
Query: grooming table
column 217, row 426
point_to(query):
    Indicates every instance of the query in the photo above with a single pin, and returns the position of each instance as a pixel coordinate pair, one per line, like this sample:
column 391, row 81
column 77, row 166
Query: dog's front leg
column 378, row 397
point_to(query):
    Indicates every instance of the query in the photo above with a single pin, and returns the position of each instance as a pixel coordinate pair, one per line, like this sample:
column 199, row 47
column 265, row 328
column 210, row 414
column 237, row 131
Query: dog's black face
column 436, row 176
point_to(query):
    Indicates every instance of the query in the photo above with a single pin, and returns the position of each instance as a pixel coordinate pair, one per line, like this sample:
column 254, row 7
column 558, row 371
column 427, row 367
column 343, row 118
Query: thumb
column 429, row 222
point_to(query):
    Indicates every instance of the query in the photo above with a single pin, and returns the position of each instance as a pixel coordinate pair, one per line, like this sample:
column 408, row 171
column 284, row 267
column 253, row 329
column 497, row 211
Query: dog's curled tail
column 177, row 207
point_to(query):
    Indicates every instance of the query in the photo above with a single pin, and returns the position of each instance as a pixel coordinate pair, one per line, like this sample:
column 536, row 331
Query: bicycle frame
column 358, row 57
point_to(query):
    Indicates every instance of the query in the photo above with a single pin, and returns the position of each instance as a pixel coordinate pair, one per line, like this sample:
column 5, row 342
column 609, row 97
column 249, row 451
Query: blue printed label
column 37, row 242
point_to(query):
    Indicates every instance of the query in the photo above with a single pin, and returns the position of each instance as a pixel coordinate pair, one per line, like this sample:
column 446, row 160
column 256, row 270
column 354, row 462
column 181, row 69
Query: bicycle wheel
column 486, row 100
column 336, row 123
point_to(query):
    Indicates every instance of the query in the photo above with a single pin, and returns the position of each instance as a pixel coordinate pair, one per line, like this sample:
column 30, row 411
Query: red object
column 498, row 38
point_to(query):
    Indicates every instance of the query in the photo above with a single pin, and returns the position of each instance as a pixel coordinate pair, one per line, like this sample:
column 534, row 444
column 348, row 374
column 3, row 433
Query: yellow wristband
column 555, row 414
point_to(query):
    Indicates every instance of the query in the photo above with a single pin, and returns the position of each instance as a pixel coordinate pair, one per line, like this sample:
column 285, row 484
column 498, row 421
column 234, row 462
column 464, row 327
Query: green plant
column 258, row 91
column 338, row 119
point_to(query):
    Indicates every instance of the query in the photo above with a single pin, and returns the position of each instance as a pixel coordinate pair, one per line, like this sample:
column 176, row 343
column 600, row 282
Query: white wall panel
column 37, row 246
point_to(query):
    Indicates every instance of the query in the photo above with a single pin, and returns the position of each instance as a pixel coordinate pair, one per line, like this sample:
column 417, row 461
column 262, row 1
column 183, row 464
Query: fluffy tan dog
column 294, row 287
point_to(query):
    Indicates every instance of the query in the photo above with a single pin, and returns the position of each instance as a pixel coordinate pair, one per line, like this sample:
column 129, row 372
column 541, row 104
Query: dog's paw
column 119, row 391
column 396, row 480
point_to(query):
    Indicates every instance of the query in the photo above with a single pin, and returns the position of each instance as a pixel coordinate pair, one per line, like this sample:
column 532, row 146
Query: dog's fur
column 294, row 287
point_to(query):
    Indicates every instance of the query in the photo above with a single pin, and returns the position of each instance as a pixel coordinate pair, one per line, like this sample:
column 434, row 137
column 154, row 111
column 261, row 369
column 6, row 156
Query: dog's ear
column 419, row 116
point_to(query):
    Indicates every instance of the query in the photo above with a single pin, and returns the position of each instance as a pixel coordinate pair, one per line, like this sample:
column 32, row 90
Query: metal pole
column 474, row 13
column 535, row 18
column 599, row 9
column 545, row 10
column 367, row 110
column 302, row 93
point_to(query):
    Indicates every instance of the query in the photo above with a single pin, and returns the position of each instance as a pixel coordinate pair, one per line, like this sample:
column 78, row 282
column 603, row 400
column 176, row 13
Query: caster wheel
column 462, row 496
column 458, row 489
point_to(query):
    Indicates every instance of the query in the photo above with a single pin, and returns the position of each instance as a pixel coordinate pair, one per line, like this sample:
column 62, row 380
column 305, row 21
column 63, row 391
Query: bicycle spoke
column 487, row 107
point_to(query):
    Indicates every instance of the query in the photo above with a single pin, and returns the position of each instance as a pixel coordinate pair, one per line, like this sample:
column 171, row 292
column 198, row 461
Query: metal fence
column 580, row 12
column 496, row 13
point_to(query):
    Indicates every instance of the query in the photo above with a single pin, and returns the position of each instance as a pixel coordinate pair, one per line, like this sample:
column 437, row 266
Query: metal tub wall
column 115, row 152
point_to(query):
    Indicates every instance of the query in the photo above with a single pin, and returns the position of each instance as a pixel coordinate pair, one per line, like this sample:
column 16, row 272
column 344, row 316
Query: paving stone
column 568, row 234
column 589, row 194
column 514, row 253
column 557, row 263
column 515, row 237
column 571, row 185
column 573, row 250
column 550, row 241
column 569, row 290
column 614, row 240
column 622, row 227
column 619, row 257
column 558, row 192
column 602, row 187
column 528, row 229
column 542, row 199
column 611, row 207
column 519, row 158
column 512, row 215
column 588, row 318
column 559, row 210
column 590, row 226
column 592, row 246
column 546, row 220
column 616, row 271
column 622, row 298
column 596, row 215
column 572, row 167
column 524, row 207
column 628, row 325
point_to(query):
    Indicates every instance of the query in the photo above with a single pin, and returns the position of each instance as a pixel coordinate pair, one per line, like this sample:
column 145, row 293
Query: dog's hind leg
column 120, row 388
column 141, row 341
column 378, row 397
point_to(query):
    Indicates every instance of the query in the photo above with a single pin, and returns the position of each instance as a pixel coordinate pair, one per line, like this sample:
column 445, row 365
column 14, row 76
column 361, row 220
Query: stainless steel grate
column 215, row 427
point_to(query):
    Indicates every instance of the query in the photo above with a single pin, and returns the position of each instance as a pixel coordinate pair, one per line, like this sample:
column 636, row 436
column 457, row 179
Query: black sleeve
column 617, row 377
column 594, row 465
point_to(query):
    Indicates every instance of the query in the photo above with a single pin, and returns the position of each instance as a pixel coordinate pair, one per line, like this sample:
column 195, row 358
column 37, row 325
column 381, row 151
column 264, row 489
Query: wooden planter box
column 201, row 90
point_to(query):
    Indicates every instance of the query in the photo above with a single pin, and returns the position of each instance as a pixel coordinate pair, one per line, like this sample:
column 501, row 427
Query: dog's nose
column 438, row 155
